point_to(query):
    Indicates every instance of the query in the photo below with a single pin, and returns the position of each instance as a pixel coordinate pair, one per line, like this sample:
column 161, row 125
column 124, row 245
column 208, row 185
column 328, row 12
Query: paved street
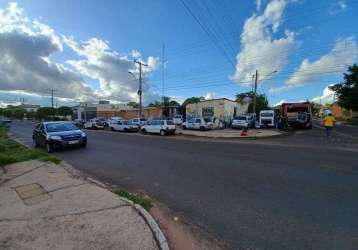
column 297, row 192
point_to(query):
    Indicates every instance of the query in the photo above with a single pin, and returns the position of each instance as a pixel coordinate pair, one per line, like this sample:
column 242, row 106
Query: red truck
column 297, row 115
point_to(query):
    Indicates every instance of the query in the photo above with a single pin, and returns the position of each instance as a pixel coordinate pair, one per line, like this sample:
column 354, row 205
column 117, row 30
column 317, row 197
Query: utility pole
column 163, row 62
column 140, row 85
column 253, row 83
column 255, row 90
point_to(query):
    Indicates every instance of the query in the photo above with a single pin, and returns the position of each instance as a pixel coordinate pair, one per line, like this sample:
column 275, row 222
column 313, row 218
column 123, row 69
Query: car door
column 197, row 123
column 151, row 127
column 36, row 132
column 42, row 135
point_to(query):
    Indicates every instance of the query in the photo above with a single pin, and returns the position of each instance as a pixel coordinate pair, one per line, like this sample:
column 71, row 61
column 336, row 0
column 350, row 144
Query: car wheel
column 184, row 127
column 49, row 148
column 112, row 129
column 144, row 131
column 162, row 132
column 202, row 128
column 83, row 145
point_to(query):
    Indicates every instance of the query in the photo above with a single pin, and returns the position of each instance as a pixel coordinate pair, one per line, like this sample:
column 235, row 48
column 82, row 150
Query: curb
column 282, row 134
column 149, row 220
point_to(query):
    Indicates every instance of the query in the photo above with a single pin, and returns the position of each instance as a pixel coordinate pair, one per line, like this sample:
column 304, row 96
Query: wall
column 223, row 109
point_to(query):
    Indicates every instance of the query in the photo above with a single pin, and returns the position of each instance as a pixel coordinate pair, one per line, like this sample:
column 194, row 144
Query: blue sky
column 84, row 49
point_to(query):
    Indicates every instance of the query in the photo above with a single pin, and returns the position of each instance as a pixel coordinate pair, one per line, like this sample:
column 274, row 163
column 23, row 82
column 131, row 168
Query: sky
column 85, row 49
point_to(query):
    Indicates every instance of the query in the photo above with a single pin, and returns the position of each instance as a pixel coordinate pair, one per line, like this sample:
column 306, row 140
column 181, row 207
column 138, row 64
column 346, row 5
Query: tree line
column 42, row 113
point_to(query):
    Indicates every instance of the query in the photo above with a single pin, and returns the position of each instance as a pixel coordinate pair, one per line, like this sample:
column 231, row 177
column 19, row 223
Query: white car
column 94, row 124
column 162, row 127
column 241, row 121
column 198, row 123
column 124, row 126
column 178, row 119
column 138, row 121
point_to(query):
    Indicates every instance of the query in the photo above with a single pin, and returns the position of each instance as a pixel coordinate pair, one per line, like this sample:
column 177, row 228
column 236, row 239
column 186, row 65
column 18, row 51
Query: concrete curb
column 282, row 134
column 154, row 227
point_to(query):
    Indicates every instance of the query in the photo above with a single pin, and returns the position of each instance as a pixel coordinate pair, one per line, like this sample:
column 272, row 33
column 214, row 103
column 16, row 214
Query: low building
column 84, row 111
column 223, row 109
column 30, row 107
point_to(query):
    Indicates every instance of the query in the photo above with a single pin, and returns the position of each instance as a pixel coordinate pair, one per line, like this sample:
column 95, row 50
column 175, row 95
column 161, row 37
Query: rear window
column 142, row 120
column 240, row 118
column 177, row 116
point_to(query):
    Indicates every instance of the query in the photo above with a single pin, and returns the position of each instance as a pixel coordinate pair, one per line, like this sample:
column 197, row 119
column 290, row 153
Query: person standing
column 328, row 123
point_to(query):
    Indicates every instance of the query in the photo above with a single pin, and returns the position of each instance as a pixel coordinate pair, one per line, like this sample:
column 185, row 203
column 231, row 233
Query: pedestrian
column 328, row 123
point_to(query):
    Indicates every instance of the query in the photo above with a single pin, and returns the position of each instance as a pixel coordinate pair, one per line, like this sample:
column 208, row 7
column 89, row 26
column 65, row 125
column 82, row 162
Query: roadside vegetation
column 137, row 198
column 11, row 151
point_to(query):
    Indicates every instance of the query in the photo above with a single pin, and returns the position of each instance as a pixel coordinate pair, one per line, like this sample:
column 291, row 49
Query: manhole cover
column 32, row 194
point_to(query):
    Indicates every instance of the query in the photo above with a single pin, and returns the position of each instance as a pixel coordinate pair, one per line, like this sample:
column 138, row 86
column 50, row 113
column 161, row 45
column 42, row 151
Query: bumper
column 66, row 144
column 239, row 125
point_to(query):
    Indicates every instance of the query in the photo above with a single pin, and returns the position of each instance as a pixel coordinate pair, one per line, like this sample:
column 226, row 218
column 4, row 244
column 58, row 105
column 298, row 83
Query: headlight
column 83, row 134
column 55, row 137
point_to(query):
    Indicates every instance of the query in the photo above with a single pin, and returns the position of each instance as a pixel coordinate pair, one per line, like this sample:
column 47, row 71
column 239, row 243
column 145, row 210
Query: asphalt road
column 297, row 192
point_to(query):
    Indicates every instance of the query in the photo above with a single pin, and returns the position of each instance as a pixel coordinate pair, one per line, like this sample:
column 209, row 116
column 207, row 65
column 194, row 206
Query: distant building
column 30, row 107
column 223, row 109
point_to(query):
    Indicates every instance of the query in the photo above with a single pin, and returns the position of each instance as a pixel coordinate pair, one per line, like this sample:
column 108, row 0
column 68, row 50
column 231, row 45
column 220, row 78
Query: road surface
column 297, row 192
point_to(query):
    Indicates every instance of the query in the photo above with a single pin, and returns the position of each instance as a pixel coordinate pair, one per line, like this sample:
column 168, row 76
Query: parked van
column 267, row 118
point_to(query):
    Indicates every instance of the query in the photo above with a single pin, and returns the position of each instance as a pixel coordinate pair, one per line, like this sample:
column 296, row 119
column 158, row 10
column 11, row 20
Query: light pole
column 255, row 88
column 135, row 78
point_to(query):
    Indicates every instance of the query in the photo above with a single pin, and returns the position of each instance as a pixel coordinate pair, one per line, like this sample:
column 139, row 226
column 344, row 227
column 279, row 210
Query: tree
column 133, row 104
column 193, row 99
column 347, row 92
column 14, row 112
column 316, row 108
column 261, row 101
column 64, row 111
column 156, row 104
column 45, row 113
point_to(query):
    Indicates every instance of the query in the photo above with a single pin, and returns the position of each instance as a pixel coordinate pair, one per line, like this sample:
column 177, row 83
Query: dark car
column 56, row 135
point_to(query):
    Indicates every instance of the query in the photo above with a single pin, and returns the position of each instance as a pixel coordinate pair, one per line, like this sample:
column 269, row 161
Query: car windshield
column 170, row 122
column 240, row 118
column 58, row 127
column 177, row 116
column 125, row 122
column 266, row 114
column 206, row 119
column 142, row 119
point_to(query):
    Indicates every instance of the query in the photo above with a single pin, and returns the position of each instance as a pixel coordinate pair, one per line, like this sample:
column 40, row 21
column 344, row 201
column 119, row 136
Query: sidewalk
column 43, row 206
column 231, row 133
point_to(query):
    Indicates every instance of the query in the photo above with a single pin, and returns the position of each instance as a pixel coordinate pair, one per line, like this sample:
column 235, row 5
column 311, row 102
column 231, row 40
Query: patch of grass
column 11, row 151
column 137, row 198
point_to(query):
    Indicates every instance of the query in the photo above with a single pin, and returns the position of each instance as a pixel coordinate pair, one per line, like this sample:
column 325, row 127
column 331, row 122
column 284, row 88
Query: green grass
column 11, row 151
column 137, row 198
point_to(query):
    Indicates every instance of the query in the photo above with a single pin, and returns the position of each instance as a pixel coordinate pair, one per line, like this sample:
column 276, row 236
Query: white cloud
column 259, row 50
column 344, row 53
column 338, row 7
column 279, row 103
column 209, row 96
column 111, row 69
column 326, row 97
column 27, row 46
column 258, row 5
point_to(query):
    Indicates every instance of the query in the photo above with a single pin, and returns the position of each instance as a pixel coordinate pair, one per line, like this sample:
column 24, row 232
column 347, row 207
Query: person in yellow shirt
column 328, row 123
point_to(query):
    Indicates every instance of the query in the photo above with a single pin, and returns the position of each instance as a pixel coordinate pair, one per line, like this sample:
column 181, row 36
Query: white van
column 267, row 118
